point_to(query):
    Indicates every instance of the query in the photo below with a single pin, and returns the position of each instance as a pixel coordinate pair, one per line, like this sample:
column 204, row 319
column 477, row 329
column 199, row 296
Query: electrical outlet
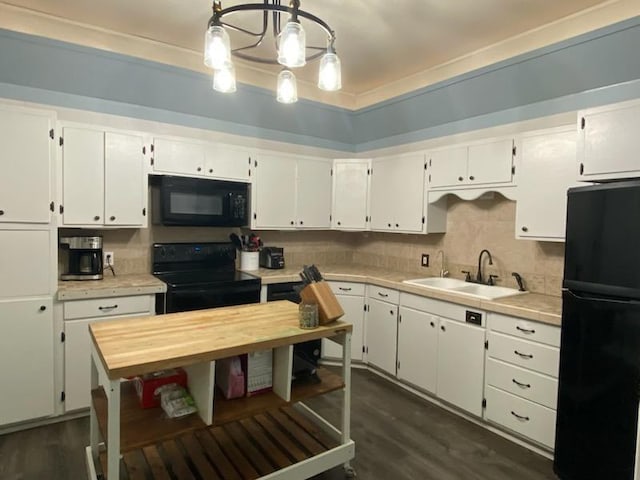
column 108, row 259
column 425, row 260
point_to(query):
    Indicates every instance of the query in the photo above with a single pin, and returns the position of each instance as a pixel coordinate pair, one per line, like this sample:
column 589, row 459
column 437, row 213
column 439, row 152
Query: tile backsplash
column 471, row 227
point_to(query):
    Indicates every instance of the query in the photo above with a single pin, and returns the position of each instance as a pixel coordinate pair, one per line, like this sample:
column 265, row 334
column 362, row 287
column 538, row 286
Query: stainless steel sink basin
column 485, row 292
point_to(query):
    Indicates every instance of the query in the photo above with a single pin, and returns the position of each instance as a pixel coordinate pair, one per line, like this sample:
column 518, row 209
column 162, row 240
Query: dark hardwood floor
column 398, row 436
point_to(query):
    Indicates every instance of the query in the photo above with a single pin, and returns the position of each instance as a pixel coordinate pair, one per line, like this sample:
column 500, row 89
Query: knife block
column 329, row 309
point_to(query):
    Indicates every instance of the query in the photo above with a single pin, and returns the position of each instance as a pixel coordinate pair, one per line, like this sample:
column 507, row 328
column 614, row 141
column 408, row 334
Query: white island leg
column 346, row 398
column 113, row 430
column 94, row 430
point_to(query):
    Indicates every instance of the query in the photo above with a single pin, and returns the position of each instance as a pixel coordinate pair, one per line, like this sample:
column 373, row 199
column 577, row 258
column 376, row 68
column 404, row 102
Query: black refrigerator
column 599, row 378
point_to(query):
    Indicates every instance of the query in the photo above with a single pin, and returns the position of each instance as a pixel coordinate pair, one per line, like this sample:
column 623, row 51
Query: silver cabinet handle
column 521, row 385
column 523, row 355
column 520, row 417
column 525, row 330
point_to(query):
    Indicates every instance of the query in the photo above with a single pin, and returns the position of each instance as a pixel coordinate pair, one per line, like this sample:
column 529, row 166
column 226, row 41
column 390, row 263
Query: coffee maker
column 84, row 260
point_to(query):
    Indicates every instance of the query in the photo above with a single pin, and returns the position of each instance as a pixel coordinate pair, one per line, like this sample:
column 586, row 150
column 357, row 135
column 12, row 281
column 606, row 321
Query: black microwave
column 199, row 202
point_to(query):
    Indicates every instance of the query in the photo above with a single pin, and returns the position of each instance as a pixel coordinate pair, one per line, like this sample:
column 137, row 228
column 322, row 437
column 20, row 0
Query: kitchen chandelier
column 290, row 43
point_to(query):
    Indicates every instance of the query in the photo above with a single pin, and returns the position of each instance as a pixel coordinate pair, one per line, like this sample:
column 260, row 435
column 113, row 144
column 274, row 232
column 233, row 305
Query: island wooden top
column 135, row 346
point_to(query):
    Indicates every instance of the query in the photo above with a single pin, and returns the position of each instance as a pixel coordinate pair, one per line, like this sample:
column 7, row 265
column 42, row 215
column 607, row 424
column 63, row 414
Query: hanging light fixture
column 289, row 41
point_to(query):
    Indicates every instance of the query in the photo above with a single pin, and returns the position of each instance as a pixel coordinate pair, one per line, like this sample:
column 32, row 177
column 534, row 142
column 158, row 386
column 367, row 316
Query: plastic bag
column 176, row 401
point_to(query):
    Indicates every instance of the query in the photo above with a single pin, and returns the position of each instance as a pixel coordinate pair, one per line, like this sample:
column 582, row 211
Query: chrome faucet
column 479, row 278
column 443, row 272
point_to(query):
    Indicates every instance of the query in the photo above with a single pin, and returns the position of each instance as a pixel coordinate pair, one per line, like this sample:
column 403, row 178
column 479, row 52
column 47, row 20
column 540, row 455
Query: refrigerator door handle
column 588, row 297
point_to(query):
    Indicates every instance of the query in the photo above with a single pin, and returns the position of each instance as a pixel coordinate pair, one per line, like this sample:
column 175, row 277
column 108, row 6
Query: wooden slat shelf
column 242, row 450
column 225, row 411
column 138, row 426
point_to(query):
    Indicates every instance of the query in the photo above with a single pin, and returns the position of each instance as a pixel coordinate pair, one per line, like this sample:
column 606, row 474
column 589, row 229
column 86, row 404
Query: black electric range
column 201, row 275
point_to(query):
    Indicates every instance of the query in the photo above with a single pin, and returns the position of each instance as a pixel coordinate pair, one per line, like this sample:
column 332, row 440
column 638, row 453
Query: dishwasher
column 305, row 355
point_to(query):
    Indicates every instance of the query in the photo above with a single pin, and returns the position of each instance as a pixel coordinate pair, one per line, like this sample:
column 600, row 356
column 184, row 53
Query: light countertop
column 532, row 306
column 110, row 286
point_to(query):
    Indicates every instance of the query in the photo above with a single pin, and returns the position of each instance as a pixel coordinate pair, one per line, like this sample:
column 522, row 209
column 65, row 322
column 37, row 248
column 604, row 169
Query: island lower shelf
column 141, row 427
column 244, row 449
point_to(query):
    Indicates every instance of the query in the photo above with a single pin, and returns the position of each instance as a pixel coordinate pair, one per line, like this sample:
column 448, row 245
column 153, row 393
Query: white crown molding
column 37, row 23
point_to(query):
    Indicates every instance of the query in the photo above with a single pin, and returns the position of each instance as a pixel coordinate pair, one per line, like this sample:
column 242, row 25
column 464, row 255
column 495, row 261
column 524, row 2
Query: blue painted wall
column 593, row 69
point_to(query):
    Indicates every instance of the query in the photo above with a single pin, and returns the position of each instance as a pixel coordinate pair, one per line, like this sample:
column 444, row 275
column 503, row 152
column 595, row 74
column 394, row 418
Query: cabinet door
column 461, row 365
column 408, row 193
column 25, row 257
column 25, row 182
column 275, row 191
column 608, row 143
column 83, row 176
column 490, row 162
column 354, row 314
column 178, row 156
column 549, row 160
column 77, row 364
column 448, row 168
column 125, row 186
column 26, row 360
column 313, row 199
column 382, row 199
column 227, row 163
column 350, row 194
column 382, row 334
column 418, row 348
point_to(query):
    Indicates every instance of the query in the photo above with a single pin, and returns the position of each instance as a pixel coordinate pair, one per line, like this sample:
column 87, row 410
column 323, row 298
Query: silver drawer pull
column 525, row 330
column 520, row 417
column 383, row 294
column 523, row 355
column 521, row 385
column 109, row 307
column 345, row 289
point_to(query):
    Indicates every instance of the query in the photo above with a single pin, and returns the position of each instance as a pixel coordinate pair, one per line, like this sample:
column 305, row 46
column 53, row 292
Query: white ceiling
column 379, row 41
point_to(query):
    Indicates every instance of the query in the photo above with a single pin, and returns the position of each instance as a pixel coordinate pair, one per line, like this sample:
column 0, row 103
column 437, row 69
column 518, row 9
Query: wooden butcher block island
column 271, row 435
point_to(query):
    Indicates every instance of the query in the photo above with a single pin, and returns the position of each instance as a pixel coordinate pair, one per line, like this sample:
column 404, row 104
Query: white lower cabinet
column 418, row 348
column 77, row 344
column 522, row 377
column 26, row 360
column 353, row 307
column 461, row 365
column 382, row 332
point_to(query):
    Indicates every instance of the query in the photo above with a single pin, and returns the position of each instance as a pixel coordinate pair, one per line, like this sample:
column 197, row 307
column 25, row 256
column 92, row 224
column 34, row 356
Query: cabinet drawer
column 347, row 288
column 519, row 327
column 526, row 418
column 523, row 383
column 107, row 307
column 523, row 353
column 384, row 294
column 449, row 310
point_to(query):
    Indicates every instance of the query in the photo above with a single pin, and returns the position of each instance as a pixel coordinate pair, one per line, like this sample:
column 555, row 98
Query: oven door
column 184, row 299
column 201, row 202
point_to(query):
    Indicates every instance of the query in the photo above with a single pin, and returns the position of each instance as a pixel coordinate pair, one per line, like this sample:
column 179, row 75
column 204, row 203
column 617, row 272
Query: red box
column 147, row 385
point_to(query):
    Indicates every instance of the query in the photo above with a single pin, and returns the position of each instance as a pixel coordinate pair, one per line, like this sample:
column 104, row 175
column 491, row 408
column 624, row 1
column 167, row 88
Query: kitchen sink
column 475, row 290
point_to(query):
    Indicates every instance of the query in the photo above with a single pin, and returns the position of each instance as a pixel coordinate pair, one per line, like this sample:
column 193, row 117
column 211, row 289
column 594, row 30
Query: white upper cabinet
column 489, row 162
column 125, row 191
column 180, row 156
column 26, row 159
column 313, row 196
column 274, row 192
column 104, row 178
column 397, row 193
column 546, row 170
column 197, row 158
column 607, row 142
column 228, row 163
column 350, row 194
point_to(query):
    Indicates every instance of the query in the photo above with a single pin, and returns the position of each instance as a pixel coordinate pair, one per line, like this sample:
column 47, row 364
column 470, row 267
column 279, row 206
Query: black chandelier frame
column 275, row 8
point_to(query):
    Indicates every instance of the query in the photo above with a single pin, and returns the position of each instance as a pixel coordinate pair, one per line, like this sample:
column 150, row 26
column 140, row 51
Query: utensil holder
column 249, row 261
column 329, row 309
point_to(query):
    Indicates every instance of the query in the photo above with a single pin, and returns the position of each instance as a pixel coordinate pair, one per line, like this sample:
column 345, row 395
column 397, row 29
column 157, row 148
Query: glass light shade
column 287, row 89
column 217, row 47
column 330, row 76
column 292, row 49
column 224, row 79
